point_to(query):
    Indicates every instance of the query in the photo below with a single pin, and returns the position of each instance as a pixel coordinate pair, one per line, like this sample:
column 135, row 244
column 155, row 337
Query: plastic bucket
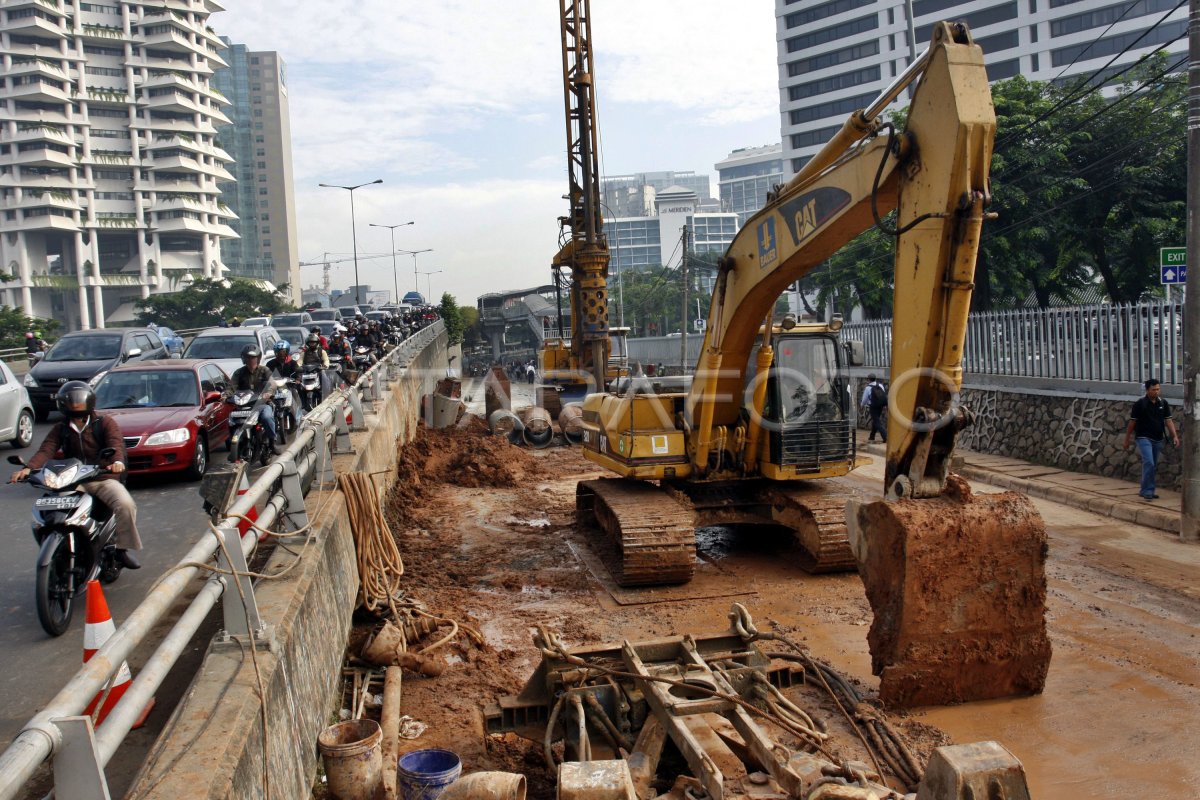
column 423, row 774
column 353, row 758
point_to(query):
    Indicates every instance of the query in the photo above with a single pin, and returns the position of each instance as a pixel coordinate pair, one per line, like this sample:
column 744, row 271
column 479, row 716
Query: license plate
column 65, row 501
column 239, row 415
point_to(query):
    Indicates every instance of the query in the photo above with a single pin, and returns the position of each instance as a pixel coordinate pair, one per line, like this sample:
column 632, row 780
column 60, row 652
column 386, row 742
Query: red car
column 170, row 412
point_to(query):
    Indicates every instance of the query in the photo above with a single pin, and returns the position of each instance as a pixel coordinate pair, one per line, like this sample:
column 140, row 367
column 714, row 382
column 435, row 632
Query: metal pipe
column 126, row 712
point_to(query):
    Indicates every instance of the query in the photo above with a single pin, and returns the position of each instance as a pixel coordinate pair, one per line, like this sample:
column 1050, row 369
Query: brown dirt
column 483, row 526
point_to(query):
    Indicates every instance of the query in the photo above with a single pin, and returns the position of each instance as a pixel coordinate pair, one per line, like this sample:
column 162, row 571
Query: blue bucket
column 423, row 774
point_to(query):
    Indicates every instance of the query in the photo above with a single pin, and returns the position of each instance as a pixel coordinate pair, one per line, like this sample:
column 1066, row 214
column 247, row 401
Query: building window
column 1105, row 16
column 263, row 204
column 977, row 19
column 833, row 33
column 253, row 59
column 830, row 109
column 258, row 112
column 1114, row 44
column 259, row 139
column 265, row 217
column 262, row 190
column 832, row 59
column 809, row 16
column 833, row 83
column 262, row 151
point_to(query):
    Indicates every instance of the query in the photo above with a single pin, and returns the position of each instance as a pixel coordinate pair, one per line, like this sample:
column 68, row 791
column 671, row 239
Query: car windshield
column 287, row 319
column 147, row 388
column 85, row 348
column 323, row 313
column 225, row 345
column 327, row 326
column 295, row 336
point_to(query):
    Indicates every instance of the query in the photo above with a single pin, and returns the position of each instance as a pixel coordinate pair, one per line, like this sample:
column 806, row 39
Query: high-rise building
column 837, row 56
column 108, row 155
column 633, row 195
column 746, row 175
column 260, row 140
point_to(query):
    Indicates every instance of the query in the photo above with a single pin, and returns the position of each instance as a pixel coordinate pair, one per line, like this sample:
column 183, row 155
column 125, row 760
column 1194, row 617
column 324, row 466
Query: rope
column 380, row 566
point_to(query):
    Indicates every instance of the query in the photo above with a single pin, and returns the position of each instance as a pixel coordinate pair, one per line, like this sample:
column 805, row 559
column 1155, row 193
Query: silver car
column 16, row 411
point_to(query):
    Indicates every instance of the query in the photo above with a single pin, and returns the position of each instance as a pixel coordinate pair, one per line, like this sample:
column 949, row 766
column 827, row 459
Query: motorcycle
column 363, row 358
column 248, row 439
column 310, row 387
column 283, row 402
column 76, row 535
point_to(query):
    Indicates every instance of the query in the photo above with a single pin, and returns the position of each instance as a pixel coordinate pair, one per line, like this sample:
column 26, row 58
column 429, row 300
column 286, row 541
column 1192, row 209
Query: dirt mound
column 467, row 456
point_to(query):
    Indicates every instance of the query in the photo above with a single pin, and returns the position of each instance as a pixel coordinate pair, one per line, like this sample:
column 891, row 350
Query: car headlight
column 30, row 381
column 97, row 378
column 175, row 436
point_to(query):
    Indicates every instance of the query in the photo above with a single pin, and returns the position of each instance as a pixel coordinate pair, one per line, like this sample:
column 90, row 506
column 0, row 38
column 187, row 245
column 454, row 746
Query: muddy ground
column 487, row 536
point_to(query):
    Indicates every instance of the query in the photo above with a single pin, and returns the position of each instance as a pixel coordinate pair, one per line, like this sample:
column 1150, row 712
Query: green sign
column 1172, row 256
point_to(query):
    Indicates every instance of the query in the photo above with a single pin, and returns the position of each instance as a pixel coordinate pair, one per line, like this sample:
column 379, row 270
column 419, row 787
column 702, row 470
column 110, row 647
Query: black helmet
column 313, row 339
column 73, row 394
column 251, row 351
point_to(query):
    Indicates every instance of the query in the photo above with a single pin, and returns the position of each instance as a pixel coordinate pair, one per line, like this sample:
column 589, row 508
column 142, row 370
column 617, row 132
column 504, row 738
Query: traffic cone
column 251, row 515
column 96, row 630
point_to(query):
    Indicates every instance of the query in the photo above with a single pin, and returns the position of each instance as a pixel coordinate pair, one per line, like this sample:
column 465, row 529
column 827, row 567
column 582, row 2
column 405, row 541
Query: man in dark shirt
column 253, row 376
column 1149, row 421
column 83, row 434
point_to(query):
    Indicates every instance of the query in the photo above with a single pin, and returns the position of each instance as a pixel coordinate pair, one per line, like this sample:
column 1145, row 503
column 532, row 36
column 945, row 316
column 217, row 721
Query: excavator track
column 652, row 536
column 817, row 518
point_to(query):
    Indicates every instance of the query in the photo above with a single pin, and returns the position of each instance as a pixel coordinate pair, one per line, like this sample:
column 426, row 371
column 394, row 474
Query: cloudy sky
column 457, row 105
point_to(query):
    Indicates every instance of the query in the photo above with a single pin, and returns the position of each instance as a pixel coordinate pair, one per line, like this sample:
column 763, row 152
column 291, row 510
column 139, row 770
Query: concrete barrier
column 213, row 745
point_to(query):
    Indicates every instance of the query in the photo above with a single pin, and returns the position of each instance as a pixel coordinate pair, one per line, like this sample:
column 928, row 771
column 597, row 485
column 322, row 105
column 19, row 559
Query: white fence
column 1118, row 343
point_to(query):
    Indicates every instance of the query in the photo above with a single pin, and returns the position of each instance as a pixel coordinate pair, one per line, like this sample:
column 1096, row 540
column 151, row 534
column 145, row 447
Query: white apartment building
column 837, row 56
column 109, row 161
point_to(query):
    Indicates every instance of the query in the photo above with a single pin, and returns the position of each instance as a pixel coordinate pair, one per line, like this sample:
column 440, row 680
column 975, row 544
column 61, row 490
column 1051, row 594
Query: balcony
column 181, row 225
column 36, row 131
column 30, row 65
column 215, row 115
column 174, row 39
column 32, row 198
column 175, row 163
column 106, row 34
column 109, row 95
column 38, row 157
column 38, row 90
column 42, row 222
column 176, row 101
column 42, row 22
column 160, row 78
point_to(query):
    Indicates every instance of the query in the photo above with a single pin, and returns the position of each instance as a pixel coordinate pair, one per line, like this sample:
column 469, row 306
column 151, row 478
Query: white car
column 224, row 345
column 16, row 410
column 256, row 322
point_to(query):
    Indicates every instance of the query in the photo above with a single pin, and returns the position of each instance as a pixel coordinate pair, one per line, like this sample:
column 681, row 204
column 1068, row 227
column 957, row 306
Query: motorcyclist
column 339, row 348
column 314, row 352
column 253, row 376
column 285, row 366
column 317, row 330
column 83, row 434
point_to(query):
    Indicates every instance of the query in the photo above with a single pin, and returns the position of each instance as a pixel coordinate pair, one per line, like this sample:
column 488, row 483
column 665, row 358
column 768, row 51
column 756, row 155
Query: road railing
column 61, row 730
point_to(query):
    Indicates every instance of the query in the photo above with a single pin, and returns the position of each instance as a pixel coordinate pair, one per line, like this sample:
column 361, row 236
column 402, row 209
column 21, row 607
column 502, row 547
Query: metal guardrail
column 80, row 752
column 1126, row 343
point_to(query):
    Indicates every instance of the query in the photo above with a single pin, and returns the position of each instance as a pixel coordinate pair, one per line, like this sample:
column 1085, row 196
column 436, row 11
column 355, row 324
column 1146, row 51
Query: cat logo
column 768, row 253
column 806, row 220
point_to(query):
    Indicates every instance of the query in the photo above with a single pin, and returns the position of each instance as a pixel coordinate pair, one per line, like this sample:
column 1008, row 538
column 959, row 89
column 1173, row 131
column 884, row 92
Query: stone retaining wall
column 213, row 745
column 1082, row 434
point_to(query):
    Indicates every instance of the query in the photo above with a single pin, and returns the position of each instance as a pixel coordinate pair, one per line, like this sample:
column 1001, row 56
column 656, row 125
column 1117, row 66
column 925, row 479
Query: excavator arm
column 935, row 173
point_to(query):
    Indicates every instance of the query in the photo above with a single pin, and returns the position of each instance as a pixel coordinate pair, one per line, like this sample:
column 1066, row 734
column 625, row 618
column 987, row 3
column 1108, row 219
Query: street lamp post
column 429, row 285
column 395, row 278
column 416, row 275
column 353, row 232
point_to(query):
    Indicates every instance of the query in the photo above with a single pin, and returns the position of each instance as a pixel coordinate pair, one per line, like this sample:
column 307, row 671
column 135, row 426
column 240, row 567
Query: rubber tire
column 41, row 413
column 25, row 417
column 52, row 626
column 194, row 471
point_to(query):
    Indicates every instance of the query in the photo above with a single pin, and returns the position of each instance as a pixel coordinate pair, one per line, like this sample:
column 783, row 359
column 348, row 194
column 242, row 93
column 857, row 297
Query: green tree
column 14, row 325
column 452, row 316
column 206, row 302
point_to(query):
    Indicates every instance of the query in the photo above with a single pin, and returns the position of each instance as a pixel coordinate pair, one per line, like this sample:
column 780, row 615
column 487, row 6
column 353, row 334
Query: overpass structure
column 522, row 315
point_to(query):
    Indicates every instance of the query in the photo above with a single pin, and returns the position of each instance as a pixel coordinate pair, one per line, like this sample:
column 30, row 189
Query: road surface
column 33, row 665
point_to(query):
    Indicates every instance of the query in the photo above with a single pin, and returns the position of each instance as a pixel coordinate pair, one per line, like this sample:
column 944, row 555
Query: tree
column 14, row 325
column 452, row 316
column 206, row 302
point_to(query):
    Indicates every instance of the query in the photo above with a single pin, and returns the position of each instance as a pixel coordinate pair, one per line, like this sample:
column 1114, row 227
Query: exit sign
column 1172, row 262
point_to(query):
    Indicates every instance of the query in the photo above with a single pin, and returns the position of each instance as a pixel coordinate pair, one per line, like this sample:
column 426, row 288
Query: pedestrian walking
column 1149, row 422
column 875, row 400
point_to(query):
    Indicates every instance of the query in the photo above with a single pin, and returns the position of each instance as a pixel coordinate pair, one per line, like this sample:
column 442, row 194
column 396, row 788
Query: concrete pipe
column 539, row 429
column 570, row 420
column 486, row 786
column 503, row 422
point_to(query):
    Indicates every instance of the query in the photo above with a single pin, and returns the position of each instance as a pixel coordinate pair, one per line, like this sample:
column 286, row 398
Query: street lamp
column 395, row 279
column 429, row 285
column 353, row 232
column 417, row 277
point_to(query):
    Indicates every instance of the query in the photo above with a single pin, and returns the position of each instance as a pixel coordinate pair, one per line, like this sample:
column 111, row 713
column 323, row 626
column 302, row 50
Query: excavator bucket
column 958, row 587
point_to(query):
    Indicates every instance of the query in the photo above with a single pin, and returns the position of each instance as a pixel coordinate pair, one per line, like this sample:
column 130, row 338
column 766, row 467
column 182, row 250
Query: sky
column 458, row 106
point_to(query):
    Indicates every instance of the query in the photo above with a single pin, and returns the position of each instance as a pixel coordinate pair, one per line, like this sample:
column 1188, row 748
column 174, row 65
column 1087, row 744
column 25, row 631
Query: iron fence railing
column 1126, row 343
column 61, row 730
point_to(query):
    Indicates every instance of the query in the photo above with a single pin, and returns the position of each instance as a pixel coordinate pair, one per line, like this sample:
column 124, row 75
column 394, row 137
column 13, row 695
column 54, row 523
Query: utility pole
column 683, row 265
column 1189, row 528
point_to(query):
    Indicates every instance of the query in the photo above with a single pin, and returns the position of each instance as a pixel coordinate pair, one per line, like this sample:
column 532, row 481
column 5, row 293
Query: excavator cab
column 808, row 415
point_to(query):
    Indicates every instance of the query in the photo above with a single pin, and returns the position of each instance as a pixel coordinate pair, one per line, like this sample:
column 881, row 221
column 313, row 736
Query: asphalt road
column 35, row 666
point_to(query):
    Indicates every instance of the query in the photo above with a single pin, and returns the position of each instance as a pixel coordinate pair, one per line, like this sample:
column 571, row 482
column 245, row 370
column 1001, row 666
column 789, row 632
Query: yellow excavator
column 770, row 412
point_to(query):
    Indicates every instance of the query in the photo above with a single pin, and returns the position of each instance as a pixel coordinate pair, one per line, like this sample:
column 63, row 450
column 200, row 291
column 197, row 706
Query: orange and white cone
column 96, row 630
column 251, row 515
